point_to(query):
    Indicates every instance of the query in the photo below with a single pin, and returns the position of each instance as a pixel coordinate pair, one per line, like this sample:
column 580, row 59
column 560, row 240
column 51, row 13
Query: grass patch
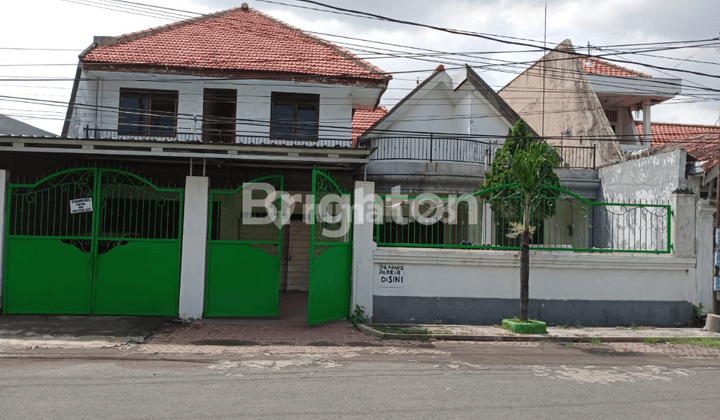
column 569, row 345
column 595, row 341
column 564, row 326
column 691, row 341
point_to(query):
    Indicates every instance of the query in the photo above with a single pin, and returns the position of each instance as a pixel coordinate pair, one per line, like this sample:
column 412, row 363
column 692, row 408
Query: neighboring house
column 143, row 212
column 579, row 100
column 661, row 133
column 685, row 173
column 12, row 127
column 596, row 261
column 441, row 137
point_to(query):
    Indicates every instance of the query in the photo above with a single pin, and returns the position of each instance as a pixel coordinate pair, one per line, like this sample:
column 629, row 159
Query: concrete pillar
column 704, row 271
column 4, row 178
column 194, row 247
column 646, row 123
column 683, row 226
column 363, row 248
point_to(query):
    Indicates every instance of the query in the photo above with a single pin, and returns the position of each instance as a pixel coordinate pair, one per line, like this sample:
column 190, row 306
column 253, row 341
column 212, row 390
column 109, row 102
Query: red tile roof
column 365, row 118
column 700, row 148
column 661, row 133
column 235, row 40
column 593, row 65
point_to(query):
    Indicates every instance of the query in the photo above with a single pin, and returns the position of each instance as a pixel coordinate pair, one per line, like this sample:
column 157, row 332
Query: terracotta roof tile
column 700, row 148
column 235, row 39
column 593, row 65
column 365, row 118
column 661, row 133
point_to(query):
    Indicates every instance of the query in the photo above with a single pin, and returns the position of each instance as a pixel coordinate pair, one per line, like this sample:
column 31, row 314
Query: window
column 294, row 116
column 612, row 116
column 145, row 112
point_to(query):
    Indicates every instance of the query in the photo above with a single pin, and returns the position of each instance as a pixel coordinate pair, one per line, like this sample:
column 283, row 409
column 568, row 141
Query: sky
column 40, row 41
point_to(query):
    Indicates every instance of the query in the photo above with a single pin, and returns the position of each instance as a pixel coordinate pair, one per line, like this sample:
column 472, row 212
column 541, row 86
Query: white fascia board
column 636, row 86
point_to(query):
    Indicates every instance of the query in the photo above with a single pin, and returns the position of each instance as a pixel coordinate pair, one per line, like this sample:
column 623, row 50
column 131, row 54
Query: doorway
column 219, row 112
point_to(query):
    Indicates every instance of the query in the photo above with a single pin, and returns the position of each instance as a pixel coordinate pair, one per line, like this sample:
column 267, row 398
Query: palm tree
column 528, row 163
column 532, row 168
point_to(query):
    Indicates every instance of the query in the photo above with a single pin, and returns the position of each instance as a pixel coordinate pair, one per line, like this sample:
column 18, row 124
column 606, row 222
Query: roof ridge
column 342, row 51
column 617, row 66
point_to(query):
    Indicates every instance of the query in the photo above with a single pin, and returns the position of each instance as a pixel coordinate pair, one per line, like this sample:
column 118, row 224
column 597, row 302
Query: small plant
column 563, row 326
column 568, row 345
column 358, row 316
column 697, row 310
column 636, row 327
column 595, row 341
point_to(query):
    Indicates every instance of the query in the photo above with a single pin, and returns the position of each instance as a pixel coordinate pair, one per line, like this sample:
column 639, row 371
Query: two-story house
column 582, row 100
column 139, row 207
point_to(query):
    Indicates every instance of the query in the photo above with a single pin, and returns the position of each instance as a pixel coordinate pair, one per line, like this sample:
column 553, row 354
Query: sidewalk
column 557, row 334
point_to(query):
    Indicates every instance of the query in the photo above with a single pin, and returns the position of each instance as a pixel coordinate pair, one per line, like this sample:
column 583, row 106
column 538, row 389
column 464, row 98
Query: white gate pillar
column 194, row 247
column 4, row 177
column 363, row 248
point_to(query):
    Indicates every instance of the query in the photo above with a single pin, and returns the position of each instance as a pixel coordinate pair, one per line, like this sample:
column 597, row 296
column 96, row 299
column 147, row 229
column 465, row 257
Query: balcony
column 463, row 150
column 197, row 137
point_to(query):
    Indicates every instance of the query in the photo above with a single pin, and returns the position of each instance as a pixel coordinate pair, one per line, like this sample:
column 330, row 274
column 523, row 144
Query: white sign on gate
column 81, row 205
column 392, row 275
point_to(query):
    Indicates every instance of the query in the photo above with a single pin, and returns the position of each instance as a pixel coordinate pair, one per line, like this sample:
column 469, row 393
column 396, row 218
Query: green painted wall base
column 529, row 327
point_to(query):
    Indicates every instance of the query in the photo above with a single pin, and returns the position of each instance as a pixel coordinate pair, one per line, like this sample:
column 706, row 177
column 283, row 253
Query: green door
column 92, row 241
column 243, row 262
column 330, row 251
column 138, row 246
column 48, row 247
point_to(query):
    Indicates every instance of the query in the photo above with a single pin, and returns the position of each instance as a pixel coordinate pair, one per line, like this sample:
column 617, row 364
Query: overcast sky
column 30, row 25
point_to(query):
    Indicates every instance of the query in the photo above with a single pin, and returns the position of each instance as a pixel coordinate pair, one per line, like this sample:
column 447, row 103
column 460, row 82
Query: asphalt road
column 446, row 381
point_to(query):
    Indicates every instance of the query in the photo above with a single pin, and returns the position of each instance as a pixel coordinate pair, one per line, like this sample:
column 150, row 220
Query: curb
column 516, row 338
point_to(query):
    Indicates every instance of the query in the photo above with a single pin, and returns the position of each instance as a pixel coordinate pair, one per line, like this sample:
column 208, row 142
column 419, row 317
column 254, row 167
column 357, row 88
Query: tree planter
column 525, row 327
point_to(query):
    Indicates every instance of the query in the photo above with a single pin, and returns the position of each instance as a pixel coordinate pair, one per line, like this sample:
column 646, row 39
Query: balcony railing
column 93, row 133
column 465, row 150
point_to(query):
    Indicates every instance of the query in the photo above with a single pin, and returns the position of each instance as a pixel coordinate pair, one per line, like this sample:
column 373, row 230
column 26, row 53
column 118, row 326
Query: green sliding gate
column 243, row 261
column 330, row 251
column 92, row 241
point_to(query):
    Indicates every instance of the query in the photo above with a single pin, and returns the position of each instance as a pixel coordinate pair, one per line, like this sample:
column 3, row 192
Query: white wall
column 553, row 275
column 253, row 108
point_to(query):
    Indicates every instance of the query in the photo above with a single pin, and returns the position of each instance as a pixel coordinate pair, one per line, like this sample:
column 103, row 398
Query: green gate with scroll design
column 243, row 261
column 120, row 256
column 330, row 251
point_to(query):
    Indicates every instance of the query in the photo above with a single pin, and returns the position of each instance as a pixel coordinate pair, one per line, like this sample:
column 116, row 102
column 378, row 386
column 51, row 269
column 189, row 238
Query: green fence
column 561, row 221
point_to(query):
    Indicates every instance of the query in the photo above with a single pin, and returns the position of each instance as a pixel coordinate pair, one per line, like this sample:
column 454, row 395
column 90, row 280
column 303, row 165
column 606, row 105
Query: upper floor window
column 612, row 116
column 294, row 116
column 146, row 112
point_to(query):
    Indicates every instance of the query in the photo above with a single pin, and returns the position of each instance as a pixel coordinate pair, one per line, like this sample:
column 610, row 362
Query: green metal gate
column 243, row 261
column 93, row 241
column 330, row 251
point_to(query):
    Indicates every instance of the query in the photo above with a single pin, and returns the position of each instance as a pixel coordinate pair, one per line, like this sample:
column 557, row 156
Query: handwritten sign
column 392, row 275
column 81, row 205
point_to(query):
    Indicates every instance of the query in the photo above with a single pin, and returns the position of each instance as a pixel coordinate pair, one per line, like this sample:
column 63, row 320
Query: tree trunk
column 525, row 265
